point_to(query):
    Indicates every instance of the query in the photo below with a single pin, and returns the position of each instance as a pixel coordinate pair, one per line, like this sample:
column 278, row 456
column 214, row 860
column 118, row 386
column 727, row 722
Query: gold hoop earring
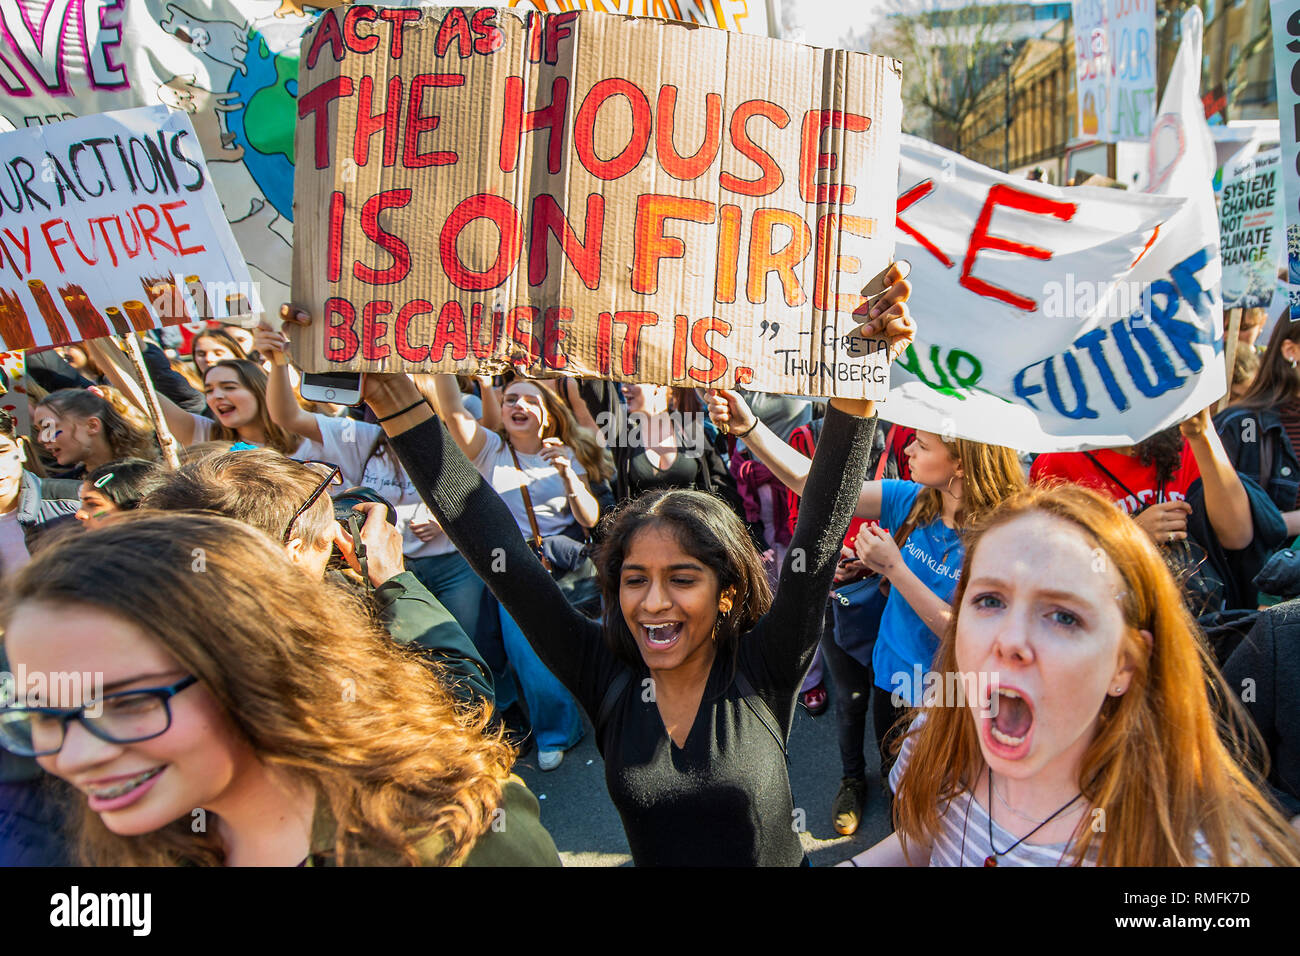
column 948, row 489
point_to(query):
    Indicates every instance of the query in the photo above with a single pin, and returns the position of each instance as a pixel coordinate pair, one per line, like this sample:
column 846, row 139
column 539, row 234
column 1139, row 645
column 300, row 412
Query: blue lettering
column 1182, row 335
column 1165, row 376
column 1092, row 342
column 1023, row 391
column 1081, row 409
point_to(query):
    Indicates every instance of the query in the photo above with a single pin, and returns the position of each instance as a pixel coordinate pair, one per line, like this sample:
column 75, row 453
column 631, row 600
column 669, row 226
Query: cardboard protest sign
column 591, row 195
column 743, row 16
column 1115, row 68
column 109, row 224
column 1250, row 228
column 232, row 65
column 1056, row 319
column 1286, row 57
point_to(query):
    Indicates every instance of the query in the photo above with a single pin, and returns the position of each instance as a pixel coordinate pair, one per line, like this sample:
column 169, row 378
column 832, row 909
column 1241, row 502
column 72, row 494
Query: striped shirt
column 963, row 836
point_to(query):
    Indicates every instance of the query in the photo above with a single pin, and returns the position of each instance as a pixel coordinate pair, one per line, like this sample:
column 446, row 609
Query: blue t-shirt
column 934, row 554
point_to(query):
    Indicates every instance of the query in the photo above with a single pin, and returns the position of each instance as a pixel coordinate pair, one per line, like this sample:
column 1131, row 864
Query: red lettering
column 327, row 33
column 770, row 178
column 649, row 244
column 533, row 27
column 548, row 218
column 372, row 330
column 181, row 248
column 509, row 241
column 394, row 246
column 829, row 263
column 812, row 158
column 451, row 331
column 355, row 41
column 386, row 119
column 632, row 338
column 490, row 38
column 481, row 349
column 52, row 243
column 687, row 167
column 717, row 361
column 455, row 27
column 401, row 326
column 150, row 231
column 515, row 122
column 764, row 259
column 728, row 263
column 681, row 327
column 417, row 125
column 399, row 18
column 552, row 335
column 317, row 101
column 1003, row 195
column 340, row 319
column 584, row 126
column 521, row 334
column 604, row 335
column 334, row 243
column 557, row 28
column 905, row 201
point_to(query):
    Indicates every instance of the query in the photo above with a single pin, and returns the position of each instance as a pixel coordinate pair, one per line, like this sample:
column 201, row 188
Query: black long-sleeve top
column 724, row 798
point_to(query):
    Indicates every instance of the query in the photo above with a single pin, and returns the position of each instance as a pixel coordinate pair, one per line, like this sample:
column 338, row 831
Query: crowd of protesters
column 327, row 637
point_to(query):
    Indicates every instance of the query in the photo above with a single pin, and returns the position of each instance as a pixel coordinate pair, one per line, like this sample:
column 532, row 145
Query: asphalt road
column 577, row 810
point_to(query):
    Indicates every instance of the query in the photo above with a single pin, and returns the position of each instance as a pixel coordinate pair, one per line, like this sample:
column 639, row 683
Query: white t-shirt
column 545, row 486
column 13, row 546
column 347, row 443
column 203, row 427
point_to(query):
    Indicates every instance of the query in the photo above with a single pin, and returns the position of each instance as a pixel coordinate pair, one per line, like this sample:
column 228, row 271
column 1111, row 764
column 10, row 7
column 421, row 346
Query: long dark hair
column 1276, row 382
column 1164, row 451
column 254, row 379
column 709, row 531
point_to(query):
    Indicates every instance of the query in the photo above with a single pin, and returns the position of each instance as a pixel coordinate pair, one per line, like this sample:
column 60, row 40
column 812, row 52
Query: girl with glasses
column 233, row 734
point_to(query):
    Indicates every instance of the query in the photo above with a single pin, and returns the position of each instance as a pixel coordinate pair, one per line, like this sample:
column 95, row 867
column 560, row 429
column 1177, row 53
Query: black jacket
column 1264, row 672
column 1251, row 436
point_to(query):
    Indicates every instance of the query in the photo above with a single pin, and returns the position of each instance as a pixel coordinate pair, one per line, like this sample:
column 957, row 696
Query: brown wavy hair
column 1164, row 766
column 254, row 379
column 399, row 763
column 561, row 424
column 990, row 474
column 1276, row 382
column 127, row 430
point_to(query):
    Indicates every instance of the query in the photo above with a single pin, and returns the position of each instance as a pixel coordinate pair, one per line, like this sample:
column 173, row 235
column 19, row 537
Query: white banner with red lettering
column 1058, row 319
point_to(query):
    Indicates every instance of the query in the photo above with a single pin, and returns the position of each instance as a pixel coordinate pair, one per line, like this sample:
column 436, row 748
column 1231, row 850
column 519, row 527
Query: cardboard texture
column 592, row 195
column 110, row 224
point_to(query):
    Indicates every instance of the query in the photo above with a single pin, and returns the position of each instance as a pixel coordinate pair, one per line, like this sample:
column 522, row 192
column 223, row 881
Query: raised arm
column 790, row 467
column 1226, row 503
column 484, row 531
column 461, row 425
column 105, row 354
column 281, row 403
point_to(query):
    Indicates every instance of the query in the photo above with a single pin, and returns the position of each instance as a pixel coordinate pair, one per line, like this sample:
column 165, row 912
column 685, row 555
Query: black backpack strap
column 750, row 698
column 612, row 694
